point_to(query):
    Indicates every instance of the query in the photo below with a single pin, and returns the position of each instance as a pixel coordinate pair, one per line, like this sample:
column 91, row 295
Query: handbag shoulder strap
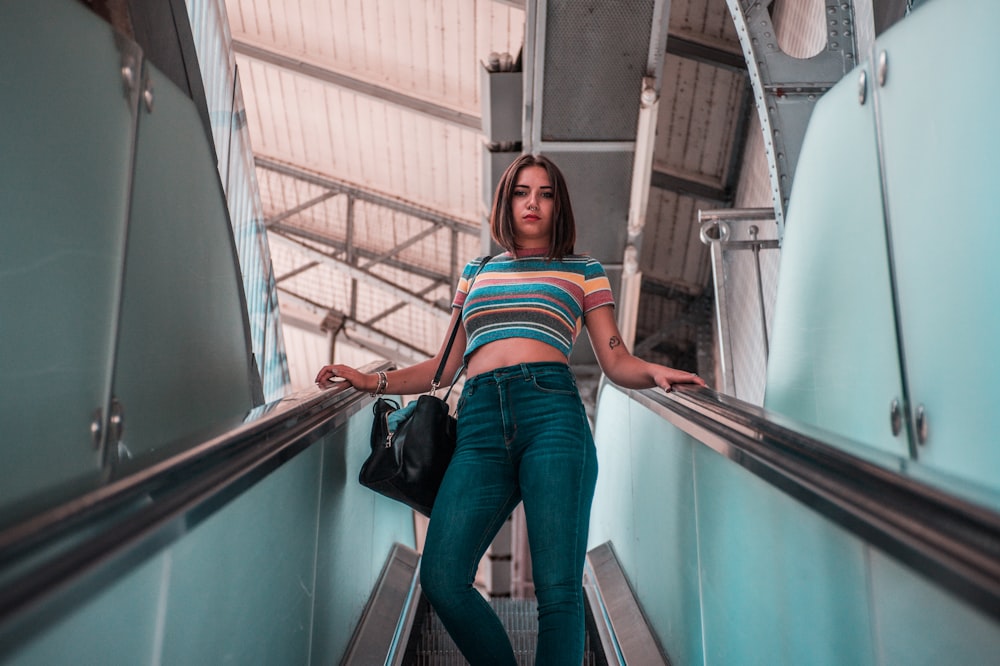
column 454, row 331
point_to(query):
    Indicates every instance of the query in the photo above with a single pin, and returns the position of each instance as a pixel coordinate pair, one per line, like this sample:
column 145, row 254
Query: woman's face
column 532, row 205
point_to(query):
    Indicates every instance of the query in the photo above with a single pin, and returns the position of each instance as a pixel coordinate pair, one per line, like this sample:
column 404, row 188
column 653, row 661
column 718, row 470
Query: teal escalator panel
column 834, row 360
column 727, row 568
column 919, row 623
column 780, row 584
column 118, row 624
column 645, row 505
column 766, row 556
column 938, row 117
column 183, row 361
column 242, row 584
column 66, row 128
column 277, row 573
column 357, row 530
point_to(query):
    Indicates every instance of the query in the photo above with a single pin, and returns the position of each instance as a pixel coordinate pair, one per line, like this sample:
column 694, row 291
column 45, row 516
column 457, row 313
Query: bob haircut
column 563, row 237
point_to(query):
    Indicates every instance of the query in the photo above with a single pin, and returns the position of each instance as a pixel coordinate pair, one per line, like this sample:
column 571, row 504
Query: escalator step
column 520, row 619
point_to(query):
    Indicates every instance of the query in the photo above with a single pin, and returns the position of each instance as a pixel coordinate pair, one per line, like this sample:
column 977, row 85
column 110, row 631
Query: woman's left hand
column 666, row 378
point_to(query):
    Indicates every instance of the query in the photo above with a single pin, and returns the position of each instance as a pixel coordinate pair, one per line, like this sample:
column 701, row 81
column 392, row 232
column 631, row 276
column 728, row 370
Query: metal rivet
column 116, row 421
column 128, row 75
column 922, row 428
column 895, row 417
column 862, row 88
column 147, row 96
column 95, row 428
column 883, row 67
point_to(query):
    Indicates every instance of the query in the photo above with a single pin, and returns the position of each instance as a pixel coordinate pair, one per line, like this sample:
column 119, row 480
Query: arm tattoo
column 614, row 341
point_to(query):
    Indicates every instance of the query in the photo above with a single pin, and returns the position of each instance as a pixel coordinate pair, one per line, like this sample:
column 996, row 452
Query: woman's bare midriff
column 511, row 351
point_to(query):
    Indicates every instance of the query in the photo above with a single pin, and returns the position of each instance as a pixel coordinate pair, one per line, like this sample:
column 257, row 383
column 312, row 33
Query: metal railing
column 933, row 527
column 155, row 505
column 744, row 253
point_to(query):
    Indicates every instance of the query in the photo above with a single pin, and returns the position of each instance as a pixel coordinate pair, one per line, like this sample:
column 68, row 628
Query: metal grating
column 591, row 88
column 599, row 183
column 520, row 619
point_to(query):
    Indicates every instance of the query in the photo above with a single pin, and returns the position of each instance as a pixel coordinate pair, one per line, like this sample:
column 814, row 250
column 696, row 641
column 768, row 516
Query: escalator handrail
column 951, row 539
column 140, row 510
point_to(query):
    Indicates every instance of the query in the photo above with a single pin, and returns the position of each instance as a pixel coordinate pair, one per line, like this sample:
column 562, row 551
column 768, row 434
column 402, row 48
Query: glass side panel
column 66, row 127
column 247, row 216
column 183, row 362
column 938, row 112
column 224, row 97
column 834, row 361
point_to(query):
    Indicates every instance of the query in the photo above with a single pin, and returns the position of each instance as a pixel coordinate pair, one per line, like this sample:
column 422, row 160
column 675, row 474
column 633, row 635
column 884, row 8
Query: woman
column 523, row 434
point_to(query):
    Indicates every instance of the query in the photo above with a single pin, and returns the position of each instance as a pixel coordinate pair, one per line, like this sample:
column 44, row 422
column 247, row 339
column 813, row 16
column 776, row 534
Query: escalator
column 256, row 545
column 400, row 627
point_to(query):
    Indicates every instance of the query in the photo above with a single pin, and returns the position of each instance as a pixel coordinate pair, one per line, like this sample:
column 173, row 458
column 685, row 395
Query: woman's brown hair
column 563, row 238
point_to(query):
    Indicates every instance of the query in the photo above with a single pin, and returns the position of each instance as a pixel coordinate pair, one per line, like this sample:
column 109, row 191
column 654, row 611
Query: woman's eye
column 547, row 195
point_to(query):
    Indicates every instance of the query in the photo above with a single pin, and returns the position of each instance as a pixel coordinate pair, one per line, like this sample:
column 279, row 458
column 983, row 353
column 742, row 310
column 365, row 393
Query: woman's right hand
column 329, row 374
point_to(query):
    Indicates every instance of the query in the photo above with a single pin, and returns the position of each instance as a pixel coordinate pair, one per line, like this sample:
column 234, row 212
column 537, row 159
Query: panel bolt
column 883, row 66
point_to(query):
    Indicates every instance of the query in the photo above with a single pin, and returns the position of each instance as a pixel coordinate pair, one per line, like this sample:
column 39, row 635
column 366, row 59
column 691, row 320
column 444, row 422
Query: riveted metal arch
column 786, row 88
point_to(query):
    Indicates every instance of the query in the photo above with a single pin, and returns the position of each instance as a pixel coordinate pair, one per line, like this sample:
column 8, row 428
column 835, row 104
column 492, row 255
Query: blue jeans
column 522, row 435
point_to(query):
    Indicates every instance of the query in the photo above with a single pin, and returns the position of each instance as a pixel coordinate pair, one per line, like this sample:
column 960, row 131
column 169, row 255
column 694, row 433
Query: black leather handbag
column 407, row 464
column 411, row 450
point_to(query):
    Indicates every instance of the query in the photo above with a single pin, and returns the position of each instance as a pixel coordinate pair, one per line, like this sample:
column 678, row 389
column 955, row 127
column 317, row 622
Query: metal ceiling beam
column 384, row 200
column 361, row 253
column 690, row 49
column 360, row 334
column 356, row 273
column 642, row 171
column 407, row 102
column 673, row 182
column 315, row 201
column 786, row 88
column 350, row 249
column 399, row 247
column 371, row 321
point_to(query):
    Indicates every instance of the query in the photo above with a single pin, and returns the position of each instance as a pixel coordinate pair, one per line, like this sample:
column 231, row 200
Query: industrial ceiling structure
column 379, row 128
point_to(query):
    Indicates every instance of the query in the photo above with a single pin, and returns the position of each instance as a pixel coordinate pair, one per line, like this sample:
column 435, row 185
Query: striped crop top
column 530, row 297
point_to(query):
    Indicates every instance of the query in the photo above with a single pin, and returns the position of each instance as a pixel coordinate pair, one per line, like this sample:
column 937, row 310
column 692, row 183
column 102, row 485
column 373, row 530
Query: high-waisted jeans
column 522, row 435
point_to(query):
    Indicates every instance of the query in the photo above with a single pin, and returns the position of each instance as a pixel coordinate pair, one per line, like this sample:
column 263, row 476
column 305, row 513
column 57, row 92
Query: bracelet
column 382, row 383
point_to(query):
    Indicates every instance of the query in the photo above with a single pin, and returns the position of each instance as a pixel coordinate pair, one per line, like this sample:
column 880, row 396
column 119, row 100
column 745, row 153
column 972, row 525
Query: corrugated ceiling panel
column 364, row 141
column 427, row 49
column 700, row 104
column 673, row 254
column 708, row 21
